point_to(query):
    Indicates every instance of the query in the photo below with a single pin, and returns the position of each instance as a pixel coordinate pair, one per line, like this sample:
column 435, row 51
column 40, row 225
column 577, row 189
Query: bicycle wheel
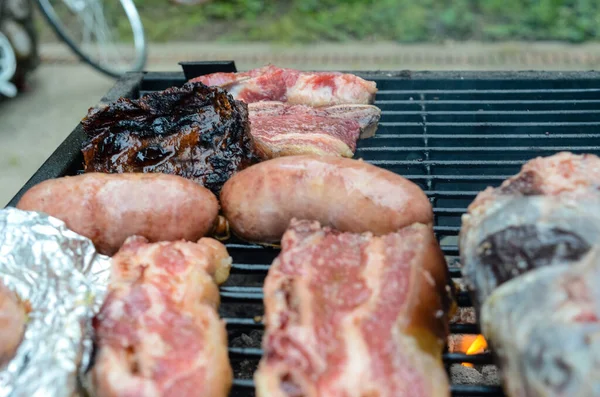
column 107, row 35
column 8, row 66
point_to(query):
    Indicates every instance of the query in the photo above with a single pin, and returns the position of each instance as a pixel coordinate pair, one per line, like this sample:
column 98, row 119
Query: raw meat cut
column 549, row 213
column 196, row 132
column 158, row 332
column 544, row 326
column 355, row 315
column 271, row 83
column 280, row 129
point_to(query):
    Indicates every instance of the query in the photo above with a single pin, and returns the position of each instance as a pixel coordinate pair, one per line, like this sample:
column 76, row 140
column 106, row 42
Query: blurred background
column 54, row 88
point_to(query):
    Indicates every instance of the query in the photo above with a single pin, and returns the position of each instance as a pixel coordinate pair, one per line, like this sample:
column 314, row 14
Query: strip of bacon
column 271, row 83
column 280, row 129
column 355, row 315
column 158, row 332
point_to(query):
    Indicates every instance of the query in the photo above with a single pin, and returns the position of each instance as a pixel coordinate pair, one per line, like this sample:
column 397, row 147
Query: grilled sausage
column 108, row 208
column 349, row 195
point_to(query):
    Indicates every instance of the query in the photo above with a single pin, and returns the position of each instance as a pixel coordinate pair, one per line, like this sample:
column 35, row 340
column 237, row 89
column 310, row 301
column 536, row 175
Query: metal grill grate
column 453, row 134
column 453, row 143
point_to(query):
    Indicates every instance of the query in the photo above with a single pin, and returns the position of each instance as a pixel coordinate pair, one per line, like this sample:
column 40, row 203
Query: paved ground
column 33, row 124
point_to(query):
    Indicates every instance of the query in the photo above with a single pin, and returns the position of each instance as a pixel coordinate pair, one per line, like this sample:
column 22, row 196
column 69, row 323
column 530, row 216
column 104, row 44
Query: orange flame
column 478, row 346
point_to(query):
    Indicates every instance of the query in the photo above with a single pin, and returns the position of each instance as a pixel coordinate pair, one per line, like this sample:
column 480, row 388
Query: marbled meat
column 544, row 326
column 197, row 132
column 271, row 83
column 158, row 332
column 280, row 129
column 355, row 315
column 548, row 213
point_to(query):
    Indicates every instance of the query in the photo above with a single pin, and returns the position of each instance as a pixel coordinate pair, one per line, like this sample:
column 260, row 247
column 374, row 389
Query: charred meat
column 280, row 129
column 271, row 83
column 158, row 332
column 353, row 314
column 549, row 213
column 195, row 131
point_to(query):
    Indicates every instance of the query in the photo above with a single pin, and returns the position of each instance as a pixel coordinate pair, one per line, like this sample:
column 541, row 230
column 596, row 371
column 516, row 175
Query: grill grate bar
column 256, row 294
column 235, row 322
column 263, row 268
column 449, row 358
column 486, row 112
column 447, row 162
column 476, row 149
column 491, row 123
column 485, row 102
column 485, row 136
column 475, row 390
column 461, row 390
column 508, row 91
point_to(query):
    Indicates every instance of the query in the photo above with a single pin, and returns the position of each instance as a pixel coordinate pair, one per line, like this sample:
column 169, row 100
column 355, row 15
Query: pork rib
column 196, row 132
column 544, row 326
column 280, row 129
column 271, row 83
column 158, row 332
column 549, row 213
column 355, row 315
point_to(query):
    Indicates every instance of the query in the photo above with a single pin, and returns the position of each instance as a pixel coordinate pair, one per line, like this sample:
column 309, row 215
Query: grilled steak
column 549, row 213
column 271, row 83
column 158, row 332
column 279, row 129
column 197, row 132
column 544, row 327
column 355, row 315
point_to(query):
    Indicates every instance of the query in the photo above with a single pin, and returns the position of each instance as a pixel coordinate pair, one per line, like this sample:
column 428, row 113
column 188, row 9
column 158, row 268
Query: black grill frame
column 431, row 127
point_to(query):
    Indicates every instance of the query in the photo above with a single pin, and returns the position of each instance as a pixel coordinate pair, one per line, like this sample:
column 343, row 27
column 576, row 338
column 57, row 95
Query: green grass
column 305, row 21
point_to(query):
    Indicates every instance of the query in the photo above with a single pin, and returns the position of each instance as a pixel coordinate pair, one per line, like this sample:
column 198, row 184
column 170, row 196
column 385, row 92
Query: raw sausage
column 349, row 195
column 108, row 208
column 13, row 317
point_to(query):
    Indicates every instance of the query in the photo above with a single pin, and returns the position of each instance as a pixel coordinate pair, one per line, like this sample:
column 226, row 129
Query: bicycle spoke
column 93, row 30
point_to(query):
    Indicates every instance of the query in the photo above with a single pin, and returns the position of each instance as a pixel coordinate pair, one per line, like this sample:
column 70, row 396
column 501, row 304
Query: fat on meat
column 280, row 129
column 271, row 83
column 158, row 332
column 355, row 315
column 544, row 326
column 548, row 213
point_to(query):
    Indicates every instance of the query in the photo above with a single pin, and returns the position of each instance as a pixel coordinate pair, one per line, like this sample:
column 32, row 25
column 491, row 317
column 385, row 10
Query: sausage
column 108, row 208
column 349, row 195
column 13, row 317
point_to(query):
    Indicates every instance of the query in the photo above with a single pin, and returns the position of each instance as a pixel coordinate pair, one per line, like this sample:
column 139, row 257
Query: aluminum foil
column 64, row 279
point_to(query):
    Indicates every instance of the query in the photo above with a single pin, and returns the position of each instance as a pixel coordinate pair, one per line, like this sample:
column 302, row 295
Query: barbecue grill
column 451, row 133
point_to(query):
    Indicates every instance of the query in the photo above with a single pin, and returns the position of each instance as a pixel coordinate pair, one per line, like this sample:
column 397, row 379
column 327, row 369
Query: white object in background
column 8, row 67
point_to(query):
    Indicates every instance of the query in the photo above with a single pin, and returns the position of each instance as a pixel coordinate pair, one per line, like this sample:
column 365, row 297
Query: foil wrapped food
column 63, row 280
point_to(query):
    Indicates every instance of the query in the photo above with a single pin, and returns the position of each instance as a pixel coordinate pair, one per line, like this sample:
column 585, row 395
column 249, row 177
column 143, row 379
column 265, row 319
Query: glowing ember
column 478, row 346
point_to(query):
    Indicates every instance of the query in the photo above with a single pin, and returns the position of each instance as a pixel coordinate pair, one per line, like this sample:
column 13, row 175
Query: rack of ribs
column 197, row 132
column 271, row 83
column 280, row 129
column 158, row 332
column 354, row 314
